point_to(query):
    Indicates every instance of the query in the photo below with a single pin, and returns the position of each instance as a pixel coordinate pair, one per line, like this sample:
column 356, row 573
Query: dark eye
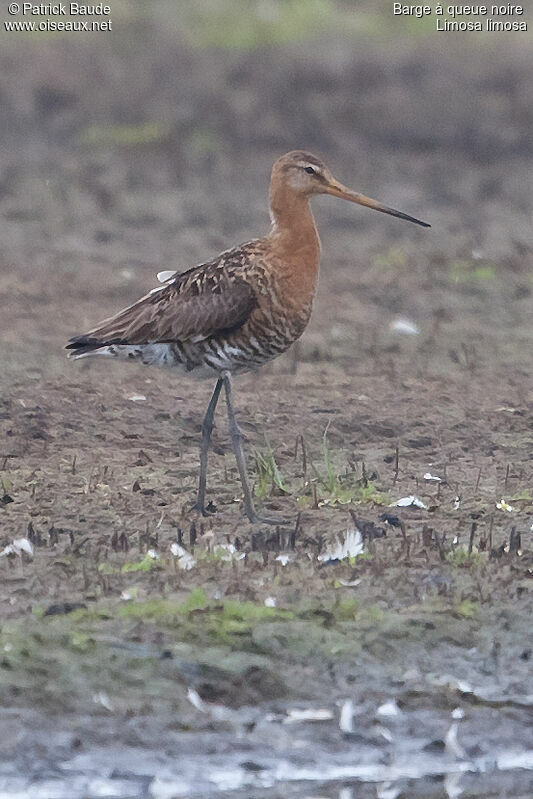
column 310, row 170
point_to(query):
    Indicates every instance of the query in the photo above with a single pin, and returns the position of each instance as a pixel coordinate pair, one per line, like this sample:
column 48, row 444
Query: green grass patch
column 392, row 259
column 471, row 273
column 245, row 25
column 336, row 487
column 164, row 611
column 202, row 620
column 328, row 485
column 269, row 479
column 467, row 609
column 461, row 558
column 143, row 133
column 146, row 564
column 524, row 495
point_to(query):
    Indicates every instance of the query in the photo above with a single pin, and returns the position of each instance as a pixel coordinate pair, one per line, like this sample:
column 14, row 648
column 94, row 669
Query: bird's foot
column 205, row 510
column 280, row 521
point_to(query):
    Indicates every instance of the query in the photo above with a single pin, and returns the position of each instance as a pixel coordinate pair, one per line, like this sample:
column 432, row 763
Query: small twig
column 396, row 464
column 427, row 536
column 192, row 536
column 406, row 540
column 304, row 457
column 440, row 542
column 471, row 539
column 76, row 549
column 295, row 531
column 515, row 540
column 506, row 477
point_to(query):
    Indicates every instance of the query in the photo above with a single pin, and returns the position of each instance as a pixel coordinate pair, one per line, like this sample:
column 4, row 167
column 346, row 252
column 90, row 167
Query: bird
column 234, row 313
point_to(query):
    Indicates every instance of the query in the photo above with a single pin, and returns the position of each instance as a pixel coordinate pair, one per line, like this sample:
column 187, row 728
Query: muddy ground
column 123, row 673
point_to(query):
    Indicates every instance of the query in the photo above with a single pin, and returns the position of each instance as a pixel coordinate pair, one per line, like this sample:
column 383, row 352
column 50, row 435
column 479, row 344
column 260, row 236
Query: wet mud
column 148, row 652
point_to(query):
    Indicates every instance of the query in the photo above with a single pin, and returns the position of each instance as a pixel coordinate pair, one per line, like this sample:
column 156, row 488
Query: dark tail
column 83, row 345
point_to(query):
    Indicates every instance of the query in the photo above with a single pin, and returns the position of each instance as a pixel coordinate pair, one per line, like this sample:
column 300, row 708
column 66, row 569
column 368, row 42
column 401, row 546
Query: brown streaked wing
column 208, row 299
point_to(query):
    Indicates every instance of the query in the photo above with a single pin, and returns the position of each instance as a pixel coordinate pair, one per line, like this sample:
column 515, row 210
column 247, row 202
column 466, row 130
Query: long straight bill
column 338, row 190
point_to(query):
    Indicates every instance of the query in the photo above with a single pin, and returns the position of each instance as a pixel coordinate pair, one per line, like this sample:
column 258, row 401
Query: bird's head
column 306, row 174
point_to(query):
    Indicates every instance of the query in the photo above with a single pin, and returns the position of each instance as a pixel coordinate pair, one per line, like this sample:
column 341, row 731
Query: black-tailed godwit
column 234, row 313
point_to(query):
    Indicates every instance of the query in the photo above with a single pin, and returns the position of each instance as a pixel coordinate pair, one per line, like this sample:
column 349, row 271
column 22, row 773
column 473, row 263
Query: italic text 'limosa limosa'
column 239, row 310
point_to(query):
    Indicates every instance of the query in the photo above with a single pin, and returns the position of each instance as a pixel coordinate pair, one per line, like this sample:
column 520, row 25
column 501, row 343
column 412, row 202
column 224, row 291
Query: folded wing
column 209, row 299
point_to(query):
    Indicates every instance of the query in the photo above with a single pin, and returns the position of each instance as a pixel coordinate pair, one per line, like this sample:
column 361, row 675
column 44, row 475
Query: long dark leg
column 238, row 449
column 207, row 429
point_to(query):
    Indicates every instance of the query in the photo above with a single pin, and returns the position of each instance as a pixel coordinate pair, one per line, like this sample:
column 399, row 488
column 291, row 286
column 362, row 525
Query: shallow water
column 477, row 751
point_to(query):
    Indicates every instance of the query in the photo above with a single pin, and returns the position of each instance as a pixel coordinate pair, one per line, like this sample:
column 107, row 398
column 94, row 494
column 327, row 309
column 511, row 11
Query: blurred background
column 149, row 147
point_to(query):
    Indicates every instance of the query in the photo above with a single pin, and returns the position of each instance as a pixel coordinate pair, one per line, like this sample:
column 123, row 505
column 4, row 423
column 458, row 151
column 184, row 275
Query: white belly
column 189, row 357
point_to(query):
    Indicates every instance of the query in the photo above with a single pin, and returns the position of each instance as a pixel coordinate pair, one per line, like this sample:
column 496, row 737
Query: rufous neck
column 293, row 225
